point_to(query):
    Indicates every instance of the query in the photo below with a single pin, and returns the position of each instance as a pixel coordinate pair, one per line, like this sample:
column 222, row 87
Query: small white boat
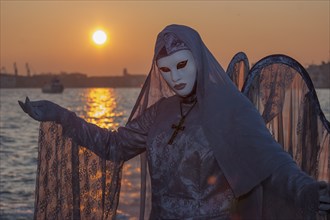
column 55, row 86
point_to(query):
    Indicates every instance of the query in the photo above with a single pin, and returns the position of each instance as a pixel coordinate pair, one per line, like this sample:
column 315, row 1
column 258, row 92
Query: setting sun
column 99, row 37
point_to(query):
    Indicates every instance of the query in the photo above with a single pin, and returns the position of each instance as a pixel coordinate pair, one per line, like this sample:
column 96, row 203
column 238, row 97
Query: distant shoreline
column 73, row 80
column 319, row 74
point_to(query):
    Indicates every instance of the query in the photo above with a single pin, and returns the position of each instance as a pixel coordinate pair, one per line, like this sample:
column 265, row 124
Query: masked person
column 209, row 153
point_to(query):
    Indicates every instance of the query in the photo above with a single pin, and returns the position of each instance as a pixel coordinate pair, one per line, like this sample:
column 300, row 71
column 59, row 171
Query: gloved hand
column 324, row 198
column 44, row 110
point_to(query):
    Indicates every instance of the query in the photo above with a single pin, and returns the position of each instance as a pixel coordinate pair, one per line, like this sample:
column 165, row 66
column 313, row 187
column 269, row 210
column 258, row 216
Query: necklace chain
column 185, row 115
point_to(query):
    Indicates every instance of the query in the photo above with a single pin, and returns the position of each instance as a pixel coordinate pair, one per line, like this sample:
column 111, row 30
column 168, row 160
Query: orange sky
column 54, row 36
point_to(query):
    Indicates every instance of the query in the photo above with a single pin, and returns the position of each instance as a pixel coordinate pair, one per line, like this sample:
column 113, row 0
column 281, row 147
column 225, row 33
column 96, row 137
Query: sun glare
column 99, row 37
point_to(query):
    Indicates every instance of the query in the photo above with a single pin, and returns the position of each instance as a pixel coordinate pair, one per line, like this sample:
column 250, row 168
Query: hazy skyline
column 54, row 36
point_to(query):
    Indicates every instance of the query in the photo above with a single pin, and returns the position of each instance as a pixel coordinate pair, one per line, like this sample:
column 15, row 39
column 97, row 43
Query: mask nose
column 175, row 75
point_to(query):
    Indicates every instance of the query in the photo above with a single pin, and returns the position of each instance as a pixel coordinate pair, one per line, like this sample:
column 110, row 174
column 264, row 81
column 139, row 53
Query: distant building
column 71, row 80
column 7, row 80
column 320, row 74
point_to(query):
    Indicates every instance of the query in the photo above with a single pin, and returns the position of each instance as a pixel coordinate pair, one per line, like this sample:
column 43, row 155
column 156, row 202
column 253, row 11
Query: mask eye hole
column 164, row 69
column 182, row 64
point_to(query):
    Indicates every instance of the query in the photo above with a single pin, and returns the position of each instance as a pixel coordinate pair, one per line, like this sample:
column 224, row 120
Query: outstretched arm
column 309, row 195
column 123, row 144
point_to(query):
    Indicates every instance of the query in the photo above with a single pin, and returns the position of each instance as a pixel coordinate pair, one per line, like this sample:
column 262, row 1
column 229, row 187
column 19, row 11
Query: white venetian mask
column 179, row 71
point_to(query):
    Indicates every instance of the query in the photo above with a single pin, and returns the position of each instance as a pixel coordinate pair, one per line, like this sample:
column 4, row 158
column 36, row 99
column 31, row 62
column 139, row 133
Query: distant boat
column 55, row 86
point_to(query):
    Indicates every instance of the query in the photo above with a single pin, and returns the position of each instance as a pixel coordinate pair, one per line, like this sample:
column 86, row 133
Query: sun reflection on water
column 101, row 108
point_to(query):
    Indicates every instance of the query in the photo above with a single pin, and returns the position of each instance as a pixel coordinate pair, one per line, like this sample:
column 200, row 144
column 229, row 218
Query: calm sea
column 108, row 108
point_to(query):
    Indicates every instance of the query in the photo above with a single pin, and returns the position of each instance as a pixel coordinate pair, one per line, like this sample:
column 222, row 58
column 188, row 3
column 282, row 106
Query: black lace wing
column 238, row 69
column 283, row 92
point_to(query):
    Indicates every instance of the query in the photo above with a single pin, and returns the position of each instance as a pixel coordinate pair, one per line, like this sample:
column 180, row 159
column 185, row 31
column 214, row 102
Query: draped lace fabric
column 73, row 182
column 238, row 69
column 284, row 94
